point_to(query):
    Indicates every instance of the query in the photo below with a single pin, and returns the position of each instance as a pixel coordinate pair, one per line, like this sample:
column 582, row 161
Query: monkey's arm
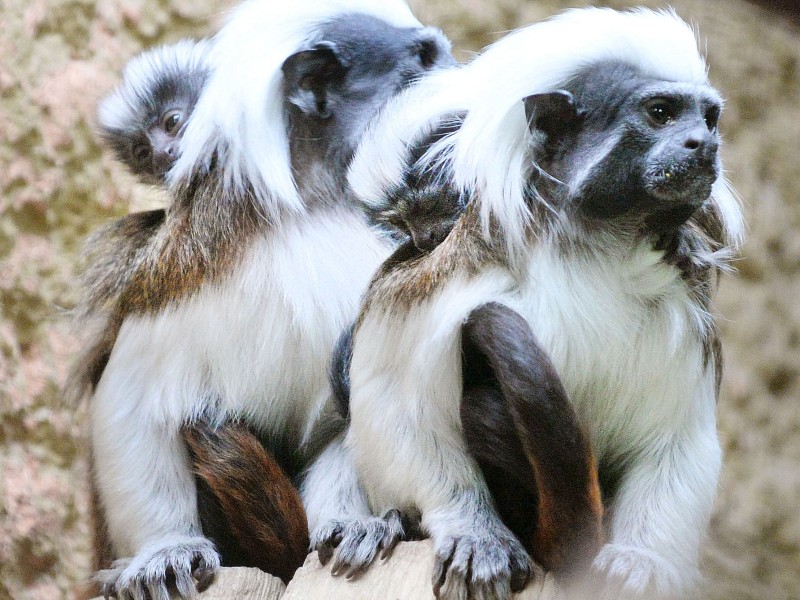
column 663, row 503
column 109, row 258
column 341, row 523
column 248, row 506
column 520, row 426
column 111, row 254
column 406, row 394
column 142, row 468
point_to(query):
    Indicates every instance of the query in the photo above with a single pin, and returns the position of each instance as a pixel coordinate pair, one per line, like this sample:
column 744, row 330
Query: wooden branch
column 406, row 575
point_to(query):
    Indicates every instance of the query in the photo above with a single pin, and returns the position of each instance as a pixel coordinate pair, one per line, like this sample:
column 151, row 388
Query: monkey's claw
column 185, row 564
column 353, row 544
column 487, row 566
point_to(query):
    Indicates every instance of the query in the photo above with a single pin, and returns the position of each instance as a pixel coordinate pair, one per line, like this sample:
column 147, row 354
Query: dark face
column 641, row 149
column 149, row 143
column 383, row 60
column 425, row 214
column 155, row 149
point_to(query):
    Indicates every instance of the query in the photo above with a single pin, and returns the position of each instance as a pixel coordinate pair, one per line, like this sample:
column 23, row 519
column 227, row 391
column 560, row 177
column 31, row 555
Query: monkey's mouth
column 681, row 183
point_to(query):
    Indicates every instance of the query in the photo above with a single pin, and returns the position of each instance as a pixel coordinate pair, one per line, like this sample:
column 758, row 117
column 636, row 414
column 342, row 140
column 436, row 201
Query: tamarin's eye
column 172, row 121
column 660, row 111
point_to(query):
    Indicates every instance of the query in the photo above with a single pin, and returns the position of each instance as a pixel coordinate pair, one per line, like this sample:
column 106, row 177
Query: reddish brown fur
column 570, row 548
column 263, row 509
column 537, row 436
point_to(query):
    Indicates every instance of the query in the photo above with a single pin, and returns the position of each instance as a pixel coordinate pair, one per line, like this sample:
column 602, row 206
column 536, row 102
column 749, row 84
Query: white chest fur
column 257, row 344
column 625, row 338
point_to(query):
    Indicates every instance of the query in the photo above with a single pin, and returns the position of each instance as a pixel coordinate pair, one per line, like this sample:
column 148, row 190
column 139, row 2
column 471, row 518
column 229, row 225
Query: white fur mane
column 488, row 156
column 121, row 109
column 240, row 115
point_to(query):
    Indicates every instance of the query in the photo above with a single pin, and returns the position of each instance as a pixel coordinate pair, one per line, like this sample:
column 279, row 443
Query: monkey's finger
column 441, row 564
column 395, row 531
column 326, row 549
column 521, row 574
column 184, row 583
column 455, row 586
column 204, row 577
column 203, row 573
column 347, row 553
column 157, row 589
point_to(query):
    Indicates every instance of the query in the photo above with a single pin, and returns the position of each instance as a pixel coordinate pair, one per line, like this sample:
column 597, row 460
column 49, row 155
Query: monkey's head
column 616, row 143
column 357, row 63
column 292, row 87
column 595, row 117
column 143, row 119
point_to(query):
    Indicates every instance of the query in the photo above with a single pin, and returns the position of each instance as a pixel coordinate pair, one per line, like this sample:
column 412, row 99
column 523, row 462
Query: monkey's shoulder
column 411, row 276
column 111, row 253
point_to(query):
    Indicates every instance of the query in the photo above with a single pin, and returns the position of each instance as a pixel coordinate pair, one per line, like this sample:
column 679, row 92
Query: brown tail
column 248, row 506
column 521, row 428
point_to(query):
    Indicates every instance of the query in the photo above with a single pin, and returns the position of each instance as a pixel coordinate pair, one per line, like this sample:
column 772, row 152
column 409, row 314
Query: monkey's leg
column 663, row 503
column 522, row 429
column 341, row 523
column 248, row 506
column 407, row 439
column 149, row 499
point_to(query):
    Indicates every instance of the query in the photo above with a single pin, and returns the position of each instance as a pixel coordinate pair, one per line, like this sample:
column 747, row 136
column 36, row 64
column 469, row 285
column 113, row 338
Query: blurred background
column 58, row 57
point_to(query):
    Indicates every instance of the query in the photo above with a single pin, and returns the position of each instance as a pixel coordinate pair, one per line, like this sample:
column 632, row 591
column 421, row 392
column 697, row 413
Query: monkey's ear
column 309, row 76
column 552, row 113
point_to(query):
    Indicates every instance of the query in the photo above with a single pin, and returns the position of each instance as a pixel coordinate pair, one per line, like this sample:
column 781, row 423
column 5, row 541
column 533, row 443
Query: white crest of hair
column 380, row 162
column 489, row 154
column 240, row 115
column 121, row 108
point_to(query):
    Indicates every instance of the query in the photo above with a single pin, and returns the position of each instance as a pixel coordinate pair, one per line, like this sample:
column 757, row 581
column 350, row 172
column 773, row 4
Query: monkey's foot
column 186, row 564
column 354, row 543
column 638, row 570
column 485, row 566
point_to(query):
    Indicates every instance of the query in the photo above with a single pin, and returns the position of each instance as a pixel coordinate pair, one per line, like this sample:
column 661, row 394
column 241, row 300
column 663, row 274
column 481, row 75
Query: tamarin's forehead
column 609, row 86
column 366, row 40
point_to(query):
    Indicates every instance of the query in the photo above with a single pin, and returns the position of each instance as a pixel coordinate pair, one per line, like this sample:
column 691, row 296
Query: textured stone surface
column 57, row 57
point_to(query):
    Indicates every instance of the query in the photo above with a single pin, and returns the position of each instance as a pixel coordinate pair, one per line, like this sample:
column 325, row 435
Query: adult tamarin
column 231, row 308
column 247, row 504
column 600, row 217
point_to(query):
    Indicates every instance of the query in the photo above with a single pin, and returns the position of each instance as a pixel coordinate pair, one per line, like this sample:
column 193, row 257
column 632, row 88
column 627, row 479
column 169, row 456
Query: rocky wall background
column 58, row 57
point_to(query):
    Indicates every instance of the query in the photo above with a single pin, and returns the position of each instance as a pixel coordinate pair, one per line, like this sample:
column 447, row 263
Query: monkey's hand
column 354, row 543
column 486, row 565
column 186, row 563
column 639, row 570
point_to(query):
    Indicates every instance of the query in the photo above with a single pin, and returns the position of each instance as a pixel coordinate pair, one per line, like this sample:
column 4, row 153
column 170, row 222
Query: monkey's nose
column 701, row 142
